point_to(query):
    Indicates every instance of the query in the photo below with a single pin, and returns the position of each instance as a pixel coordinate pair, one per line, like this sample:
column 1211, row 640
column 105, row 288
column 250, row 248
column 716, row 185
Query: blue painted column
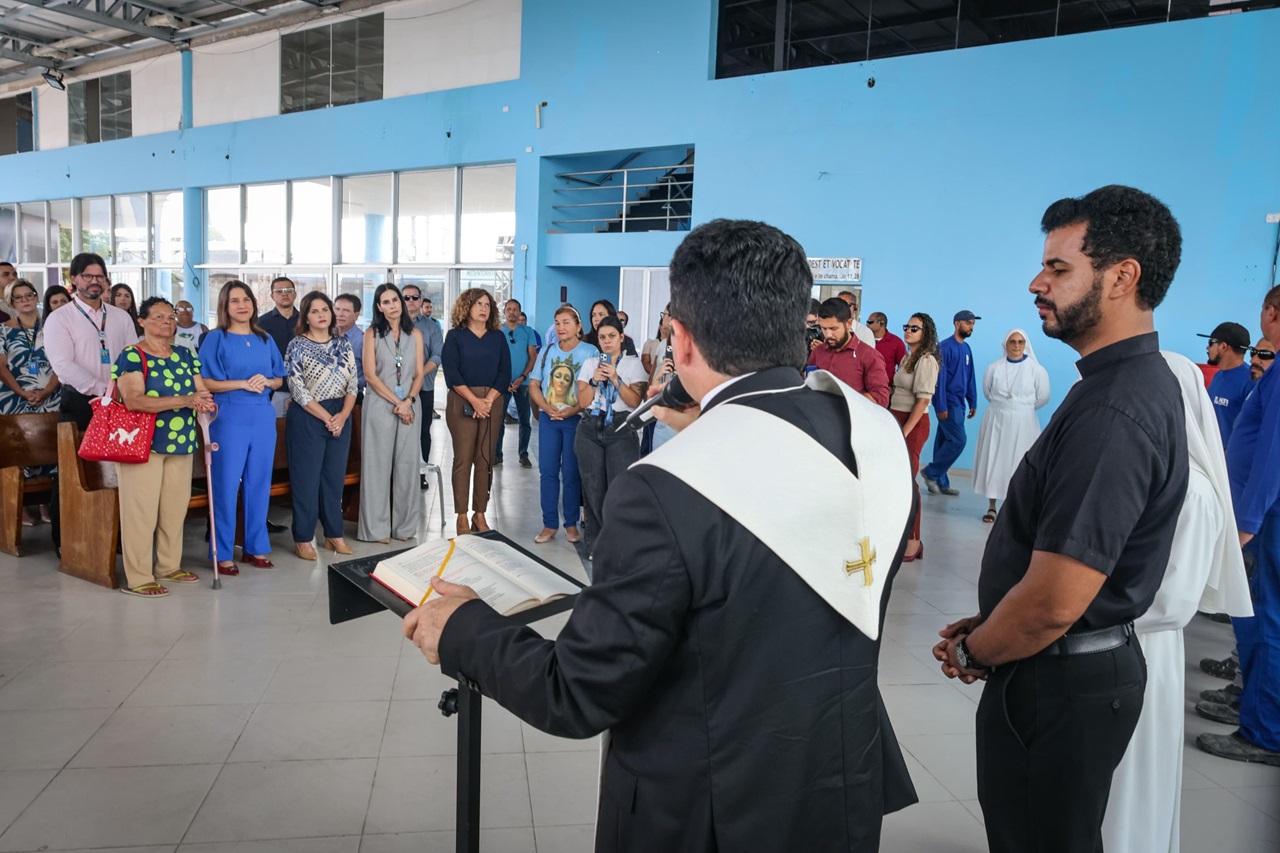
column 193, row 251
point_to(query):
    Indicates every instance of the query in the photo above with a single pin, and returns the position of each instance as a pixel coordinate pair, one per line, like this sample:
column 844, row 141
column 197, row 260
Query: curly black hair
column 928, row 343
column 1122, row 222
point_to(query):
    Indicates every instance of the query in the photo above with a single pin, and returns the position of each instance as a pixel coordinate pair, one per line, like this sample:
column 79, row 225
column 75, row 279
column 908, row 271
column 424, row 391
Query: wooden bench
column 32, row 441
column 88, row 491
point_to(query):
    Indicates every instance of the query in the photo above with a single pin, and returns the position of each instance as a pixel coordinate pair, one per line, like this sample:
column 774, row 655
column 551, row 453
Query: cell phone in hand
column 468, row 410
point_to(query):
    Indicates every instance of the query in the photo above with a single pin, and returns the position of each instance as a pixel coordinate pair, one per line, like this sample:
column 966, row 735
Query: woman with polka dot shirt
column 154, row 494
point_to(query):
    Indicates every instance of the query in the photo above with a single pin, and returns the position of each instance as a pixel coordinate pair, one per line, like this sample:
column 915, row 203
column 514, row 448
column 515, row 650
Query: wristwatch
column 965, row 659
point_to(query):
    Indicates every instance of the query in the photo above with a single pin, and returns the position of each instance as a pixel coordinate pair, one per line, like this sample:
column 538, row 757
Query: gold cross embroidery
column 864, row 564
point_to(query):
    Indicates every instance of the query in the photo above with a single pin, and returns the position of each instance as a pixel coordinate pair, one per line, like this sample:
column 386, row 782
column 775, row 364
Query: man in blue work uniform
column 957, row 384
column 1253, row 467
column 1232, row 383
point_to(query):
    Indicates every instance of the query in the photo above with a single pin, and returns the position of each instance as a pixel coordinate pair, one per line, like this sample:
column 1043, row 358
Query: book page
column 414, row 569
column 539, row 581
column 495, row 590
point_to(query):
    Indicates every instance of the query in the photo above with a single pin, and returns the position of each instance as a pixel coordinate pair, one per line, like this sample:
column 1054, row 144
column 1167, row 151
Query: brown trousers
column 153, row 507
column 474, row 443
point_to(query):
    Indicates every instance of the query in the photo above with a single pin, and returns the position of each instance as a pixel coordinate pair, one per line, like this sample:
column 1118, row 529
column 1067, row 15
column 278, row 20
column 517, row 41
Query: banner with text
column 843, row 270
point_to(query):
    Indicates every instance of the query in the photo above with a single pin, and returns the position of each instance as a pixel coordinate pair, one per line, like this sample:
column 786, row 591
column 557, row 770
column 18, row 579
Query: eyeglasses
column 408, row 298
column 1262, row 354
column 88, row 277
column 909, row 327
column 285, row 290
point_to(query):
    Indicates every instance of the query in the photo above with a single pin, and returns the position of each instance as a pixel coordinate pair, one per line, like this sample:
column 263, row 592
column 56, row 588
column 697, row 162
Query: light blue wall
column 936, row 177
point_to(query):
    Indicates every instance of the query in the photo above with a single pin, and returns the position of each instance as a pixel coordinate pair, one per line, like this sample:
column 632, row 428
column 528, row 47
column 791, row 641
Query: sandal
column 990, row 516
column 183, row 576
column 147, row 590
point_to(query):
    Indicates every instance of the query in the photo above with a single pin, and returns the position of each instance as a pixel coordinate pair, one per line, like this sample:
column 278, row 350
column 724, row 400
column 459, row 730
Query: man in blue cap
column 957, row 384
column 1232, row 383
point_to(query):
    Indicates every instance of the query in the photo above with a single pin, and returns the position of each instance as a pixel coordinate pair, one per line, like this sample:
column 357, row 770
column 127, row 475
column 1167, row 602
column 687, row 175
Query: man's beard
column 1213, row 361
column 1076, row 320
column 1255, row 373
column 964, row 333
column 840, row 344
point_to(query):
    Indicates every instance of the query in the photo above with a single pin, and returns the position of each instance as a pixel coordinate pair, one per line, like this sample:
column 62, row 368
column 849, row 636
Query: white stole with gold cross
column 837, row 531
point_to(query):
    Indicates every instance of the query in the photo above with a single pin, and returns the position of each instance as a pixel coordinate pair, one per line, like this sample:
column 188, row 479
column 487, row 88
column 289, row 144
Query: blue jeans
column 521, row 398
column 948, row 444
column 558, row 471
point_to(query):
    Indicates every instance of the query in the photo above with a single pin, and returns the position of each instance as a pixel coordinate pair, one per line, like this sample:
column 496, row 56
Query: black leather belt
column 1090, row 642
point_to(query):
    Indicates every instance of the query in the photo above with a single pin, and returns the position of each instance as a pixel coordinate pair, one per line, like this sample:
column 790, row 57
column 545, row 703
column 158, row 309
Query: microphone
column 672, row 395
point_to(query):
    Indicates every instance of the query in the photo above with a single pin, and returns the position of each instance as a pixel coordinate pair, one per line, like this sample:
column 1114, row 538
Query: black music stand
column 352, row 594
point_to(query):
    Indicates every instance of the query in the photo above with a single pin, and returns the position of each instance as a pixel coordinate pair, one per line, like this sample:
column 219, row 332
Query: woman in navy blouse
column 477, row 366
column 322, row 380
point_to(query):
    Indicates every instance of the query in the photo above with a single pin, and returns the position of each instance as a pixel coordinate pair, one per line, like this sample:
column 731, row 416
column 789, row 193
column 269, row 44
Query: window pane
column 77, row 108
column 25, row 129
column 34, row 233
column 433, row 285
column 36, row 276
column 166, row 226
column 131, row 277
column 369, row 59
column 115, row 106
column 426, row 225
column 497, row 282
column 292, row 61
column 311, row 233
column 95, row 222
column 8, row 233
column 60, row 230
column 362, row 285
column 264, row 220
column 488, row 213
column 345, row 52
column 223, row 225
column 169, row 284
column 131, row 229
column 216, row 279
column 366, row 219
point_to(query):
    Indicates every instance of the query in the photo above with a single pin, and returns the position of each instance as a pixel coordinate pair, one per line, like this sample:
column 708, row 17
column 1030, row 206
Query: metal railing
column 661, row 196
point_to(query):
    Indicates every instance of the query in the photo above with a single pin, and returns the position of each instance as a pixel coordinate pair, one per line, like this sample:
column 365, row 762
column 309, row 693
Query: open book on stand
column 505, row 579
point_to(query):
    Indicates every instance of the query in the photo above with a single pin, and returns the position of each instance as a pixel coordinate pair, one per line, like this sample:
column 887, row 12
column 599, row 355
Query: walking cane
column 204, row 419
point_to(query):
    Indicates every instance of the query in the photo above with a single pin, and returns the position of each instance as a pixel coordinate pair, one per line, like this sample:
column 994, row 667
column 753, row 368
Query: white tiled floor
column 240, row 721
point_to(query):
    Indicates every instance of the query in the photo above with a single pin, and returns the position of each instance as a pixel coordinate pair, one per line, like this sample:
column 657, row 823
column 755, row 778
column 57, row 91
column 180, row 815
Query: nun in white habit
column 1015, row 386
column 1206, row 571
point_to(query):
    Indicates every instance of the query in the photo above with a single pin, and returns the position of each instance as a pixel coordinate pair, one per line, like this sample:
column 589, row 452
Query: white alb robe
column 1014, row 390
column 1205, row 564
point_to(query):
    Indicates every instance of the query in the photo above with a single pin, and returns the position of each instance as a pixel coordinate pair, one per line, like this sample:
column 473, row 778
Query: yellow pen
column 430, row 589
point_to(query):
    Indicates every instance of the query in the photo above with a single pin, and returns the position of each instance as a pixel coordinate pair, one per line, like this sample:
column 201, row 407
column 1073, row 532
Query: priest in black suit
column 742, row 706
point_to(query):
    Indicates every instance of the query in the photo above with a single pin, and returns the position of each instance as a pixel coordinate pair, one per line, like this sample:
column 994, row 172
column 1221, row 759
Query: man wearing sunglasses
column 1231, row 384
column 432, row 352
column 524, row 349
column 1253, row 466
column 1263, row 355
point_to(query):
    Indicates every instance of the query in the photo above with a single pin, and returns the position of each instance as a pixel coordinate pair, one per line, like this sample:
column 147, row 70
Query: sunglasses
column 511, row 336
column 909, row 327
column 412, row 298
column 1263, row 354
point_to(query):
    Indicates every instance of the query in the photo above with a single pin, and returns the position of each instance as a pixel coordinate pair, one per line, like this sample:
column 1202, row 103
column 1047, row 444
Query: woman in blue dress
column 241, row 365
column 27, row 382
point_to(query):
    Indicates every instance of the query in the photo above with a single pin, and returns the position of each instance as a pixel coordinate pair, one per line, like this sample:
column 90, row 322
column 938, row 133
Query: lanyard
column 399, row 384
column 102, row 330
column 34, row 332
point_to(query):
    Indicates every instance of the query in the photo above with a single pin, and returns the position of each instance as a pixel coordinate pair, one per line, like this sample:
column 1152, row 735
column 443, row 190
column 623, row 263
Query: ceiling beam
column 26, row 58
column 94, row 12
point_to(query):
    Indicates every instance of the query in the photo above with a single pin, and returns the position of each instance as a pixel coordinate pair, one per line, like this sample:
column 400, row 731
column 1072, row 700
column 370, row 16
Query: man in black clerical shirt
column 1082, row 544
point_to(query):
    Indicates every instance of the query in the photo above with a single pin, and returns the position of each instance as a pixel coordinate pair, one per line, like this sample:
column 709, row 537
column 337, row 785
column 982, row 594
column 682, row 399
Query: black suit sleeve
column 618, row 638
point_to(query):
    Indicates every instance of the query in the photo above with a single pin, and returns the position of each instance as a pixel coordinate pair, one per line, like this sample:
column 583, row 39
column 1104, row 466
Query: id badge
column 106, row 356
column 33, row 369
column 400, row 391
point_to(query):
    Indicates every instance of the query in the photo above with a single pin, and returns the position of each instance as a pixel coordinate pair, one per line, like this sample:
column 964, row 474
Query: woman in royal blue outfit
column 242, row 366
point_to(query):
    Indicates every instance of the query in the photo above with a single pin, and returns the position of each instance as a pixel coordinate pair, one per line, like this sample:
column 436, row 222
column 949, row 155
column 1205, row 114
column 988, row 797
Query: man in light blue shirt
column 432, row 350
column 346, row 308
column 523, row 343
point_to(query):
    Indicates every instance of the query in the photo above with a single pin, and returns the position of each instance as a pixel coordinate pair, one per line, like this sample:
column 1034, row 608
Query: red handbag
column 115, row 433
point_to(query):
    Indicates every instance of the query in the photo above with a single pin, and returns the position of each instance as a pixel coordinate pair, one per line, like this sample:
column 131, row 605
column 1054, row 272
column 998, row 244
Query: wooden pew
column 90, row 513
column 29, row 441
